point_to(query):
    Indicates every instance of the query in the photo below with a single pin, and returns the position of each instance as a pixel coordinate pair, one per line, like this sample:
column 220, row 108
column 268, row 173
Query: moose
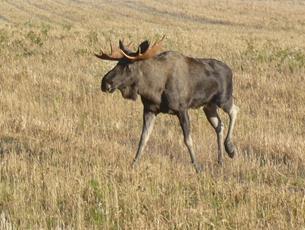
column 170, row 82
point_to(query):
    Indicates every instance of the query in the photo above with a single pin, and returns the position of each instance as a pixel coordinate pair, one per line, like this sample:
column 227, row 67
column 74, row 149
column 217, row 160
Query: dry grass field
column 66, row 148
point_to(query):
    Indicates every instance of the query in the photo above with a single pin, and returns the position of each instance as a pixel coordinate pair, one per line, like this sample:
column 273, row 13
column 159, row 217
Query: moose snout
column 107, row 86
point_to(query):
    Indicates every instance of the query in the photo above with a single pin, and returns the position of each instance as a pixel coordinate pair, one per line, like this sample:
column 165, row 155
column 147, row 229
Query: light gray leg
column 185, row 125
column 229, row 146
column 212, row 116
column 148, row 124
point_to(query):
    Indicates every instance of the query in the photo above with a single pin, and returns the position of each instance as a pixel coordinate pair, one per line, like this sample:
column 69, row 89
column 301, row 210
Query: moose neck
column 151, row 80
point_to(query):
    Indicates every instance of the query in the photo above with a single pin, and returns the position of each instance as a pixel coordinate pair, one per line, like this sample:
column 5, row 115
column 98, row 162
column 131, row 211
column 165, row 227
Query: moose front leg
column 185, row 125
column 148, row 124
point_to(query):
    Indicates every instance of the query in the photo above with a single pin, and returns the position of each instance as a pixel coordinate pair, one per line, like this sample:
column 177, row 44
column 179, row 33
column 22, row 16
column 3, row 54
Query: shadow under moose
column 170, row 82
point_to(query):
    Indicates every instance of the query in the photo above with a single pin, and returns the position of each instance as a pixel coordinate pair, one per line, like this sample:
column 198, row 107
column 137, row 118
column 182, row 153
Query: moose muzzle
column 107, row 87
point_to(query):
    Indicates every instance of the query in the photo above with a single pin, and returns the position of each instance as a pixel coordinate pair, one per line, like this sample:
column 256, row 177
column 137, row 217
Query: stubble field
column 66, row 148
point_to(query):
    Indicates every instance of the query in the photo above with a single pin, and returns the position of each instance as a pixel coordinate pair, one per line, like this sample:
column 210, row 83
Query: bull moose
column 170, row 82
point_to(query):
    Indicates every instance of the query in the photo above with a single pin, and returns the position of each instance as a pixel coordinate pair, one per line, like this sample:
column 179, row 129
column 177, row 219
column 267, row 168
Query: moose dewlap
column 172, row 83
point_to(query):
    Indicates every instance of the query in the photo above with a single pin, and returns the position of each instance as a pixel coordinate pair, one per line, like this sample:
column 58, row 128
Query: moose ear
column 143, row 47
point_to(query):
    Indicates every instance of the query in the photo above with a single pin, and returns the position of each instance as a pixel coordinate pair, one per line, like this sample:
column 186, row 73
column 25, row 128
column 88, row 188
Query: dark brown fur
column 173, row 83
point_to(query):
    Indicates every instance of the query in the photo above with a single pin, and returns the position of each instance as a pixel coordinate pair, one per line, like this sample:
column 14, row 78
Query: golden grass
column 66, row 148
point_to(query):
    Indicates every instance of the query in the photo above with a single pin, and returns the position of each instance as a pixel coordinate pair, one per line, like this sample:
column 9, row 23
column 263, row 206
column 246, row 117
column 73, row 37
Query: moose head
column 124, row 76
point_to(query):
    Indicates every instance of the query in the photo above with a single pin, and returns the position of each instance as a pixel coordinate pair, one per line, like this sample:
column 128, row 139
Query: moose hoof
column 198, row 168
column 134, row 164
column 230, row 148
column 220, row 162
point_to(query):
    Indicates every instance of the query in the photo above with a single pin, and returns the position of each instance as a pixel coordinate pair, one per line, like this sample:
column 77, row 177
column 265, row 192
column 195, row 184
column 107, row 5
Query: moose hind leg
column 229, row 146
column 148, row 123
column 185, row 125
column 213, row 118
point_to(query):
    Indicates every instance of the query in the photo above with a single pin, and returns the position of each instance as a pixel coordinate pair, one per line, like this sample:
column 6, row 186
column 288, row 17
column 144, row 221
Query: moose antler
column 148, row 53
column 121, row 52
column 115, row 55
column 126, row 49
